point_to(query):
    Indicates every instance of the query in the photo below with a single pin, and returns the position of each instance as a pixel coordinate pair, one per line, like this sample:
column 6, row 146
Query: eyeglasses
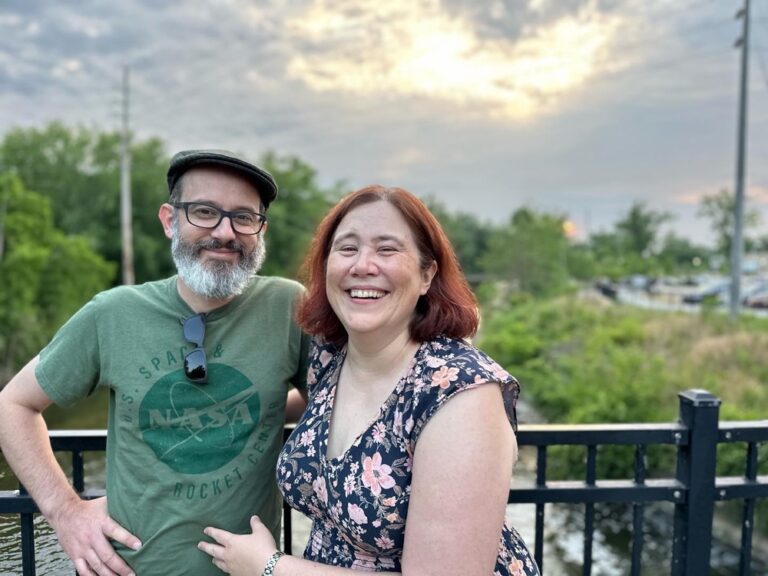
column 195, row 363
column 205, row 215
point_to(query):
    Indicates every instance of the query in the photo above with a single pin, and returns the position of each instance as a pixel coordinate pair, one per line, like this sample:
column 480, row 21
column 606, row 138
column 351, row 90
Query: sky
column 579, row 108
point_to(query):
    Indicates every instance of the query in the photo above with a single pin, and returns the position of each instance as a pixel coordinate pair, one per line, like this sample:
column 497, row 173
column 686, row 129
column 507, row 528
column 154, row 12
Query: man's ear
column 165, row 214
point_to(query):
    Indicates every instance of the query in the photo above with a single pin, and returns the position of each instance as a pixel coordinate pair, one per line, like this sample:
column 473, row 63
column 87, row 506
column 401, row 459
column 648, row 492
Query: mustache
column 213, row 244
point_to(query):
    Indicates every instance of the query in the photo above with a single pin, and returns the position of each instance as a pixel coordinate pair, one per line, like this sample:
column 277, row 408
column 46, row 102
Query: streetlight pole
column 126, row 217
column 737, row 244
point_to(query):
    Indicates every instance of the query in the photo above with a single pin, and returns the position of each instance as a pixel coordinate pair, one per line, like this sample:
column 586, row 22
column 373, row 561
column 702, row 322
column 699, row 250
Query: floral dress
column 359, row 501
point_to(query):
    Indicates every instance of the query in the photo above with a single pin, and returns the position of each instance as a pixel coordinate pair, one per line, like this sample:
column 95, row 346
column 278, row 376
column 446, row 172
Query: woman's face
column 373, row 276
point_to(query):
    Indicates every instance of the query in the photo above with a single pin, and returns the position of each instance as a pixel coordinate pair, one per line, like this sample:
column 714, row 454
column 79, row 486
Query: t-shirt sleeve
column 299, row 381
column 69, row 366
column 444, row 378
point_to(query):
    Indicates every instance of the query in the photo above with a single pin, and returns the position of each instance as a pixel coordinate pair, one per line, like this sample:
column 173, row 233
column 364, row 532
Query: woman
column 380, row 446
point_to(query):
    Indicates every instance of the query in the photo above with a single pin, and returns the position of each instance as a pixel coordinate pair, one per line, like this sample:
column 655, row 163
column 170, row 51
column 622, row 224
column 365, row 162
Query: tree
column 680, row 253
column 301, row 204
column 46, row 275
column 639, row 229
column 468, row 235
column 531, row 253
column 719, row 210
column 78, row 170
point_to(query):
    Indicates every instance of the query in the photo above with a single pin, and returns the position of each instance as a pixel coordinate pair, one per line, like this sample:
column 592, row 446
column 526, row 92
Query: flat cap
column 186, row 159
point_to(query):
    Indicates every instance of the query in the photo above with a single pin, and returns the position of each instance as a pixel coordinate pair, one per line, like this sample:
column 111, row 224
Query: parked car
column 717, row 290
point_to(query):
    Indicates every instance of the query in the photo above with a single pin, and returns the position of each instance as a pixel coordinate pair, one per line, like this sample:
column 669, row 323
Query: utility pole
column 126, row 217
column 737, row 245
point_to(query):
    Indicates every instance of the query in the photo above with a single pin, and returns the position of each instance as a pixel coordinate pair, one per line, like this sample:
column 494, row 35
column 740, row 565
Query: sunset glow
column 416, row 48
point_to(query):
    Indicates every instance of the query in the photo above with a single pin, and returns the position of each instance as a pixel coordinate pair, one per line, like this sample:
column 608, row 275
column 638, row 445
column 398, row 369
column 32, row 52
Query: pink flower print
column 379, row 431
column 324, row 358
column 349, row 484
column 311, row 377
column 357, row 514
column 365, row 561
column 307, row 437
column 408, row 425
column 516, row 568
column 385, row 542
column 389, row 501
column 376, row 475
column 435, row 362
column 498, row 371
column 397, row 425
column 444, row 377
column 320, row 490
column 377, row 522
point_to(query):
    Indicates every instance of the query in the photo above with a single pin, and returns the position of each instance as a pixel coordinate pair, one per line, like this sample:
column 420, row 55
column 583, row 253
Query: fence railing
column 693, row 489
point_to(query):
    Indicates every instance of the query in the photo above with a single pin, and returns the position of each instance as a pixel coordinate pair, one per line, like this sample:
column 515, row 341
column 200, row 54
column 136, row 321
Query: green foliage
column 639, row 229
column 46, row 276
column 719, row 210
column 530, row 253
column 78, row 170
column 588, row 362
column 467, row 233
column 293, row 217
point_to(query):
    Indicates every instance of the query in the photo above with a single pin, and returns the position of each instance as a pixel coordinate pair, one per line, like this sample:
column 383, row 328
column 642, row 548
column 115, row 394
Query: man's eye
column 204, row 212
column 245, row 218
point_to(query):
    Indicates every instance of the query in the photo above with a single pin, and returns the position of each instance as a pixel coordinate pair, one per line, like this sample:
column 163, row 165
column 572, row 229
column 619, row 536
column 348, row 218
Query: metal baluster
column 27, row 522
column 748, row 514
column 637, row 512
column 589, row 511
column 541, row 482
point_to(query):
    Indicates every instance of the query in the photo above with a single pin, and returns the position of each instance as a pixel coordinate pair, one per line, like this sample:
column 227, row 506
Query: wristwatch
column 270, row 567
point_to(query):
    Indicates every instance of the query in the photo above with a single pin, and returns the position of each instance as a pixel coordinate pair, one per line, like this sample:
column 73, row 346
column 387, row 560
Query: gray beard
column 215, row 280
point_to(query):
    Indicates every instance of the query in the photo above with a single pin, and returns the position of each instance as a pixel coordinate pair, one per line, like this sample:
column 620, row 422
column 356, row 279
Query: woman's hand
column 240, row 554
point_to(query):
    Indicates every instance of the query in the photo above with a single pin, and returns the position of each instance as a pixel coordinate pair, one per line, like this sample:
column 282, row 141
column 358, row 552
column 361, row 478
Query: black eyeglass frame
column 222, row 214
column 195, row 361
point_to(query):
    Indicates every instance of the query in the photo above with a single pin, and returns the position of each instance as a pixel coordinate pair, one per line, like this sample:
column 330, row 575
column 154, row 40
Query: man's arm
column 295, row 405
column 83, row 527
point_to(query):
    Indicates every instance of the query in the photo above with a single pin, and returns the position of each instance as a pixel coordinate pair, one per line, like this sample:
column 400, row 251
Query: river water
column 563, row 539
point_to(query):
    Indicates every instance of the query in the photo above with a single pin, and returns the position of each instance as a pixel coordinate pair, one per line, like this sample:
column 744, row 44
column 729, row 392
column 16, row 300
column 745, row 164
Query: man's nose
column 224, row 229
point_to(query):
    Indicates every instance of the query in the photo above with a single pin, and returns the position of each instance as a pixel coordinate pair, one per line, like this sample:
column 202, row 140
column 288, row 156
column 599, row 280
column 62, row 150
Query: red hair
column 448, row 308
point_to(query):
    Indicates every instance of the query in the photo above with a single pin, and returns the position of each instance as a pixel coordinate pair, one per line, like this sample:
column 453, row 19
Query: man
column 198, row 367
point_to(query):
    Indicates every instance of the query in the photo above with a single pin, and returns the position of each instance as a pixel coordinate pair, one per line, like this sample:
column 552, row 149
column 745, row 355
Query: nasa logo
column 197, row 429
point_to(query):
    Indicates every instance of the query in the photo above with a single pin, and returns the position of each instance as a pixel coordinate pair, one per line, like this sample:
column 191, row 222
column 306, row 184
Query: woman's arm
column 461, row 473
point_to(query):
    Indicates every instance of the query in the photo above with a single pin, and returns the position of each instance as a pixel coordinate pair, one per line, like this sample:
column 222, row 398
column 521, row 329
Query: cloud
column 415, row 48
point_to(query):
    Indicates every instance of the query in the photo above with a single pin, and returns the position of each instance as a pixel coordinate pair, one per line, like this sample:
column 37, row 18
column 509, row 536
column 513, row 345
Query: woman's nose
column 365, row 264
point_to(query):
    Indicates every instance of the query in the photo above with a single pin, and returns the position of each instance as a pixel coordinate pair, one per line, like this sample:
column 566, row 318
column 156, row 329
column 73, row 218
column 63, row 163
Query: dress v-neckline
column 330, row 404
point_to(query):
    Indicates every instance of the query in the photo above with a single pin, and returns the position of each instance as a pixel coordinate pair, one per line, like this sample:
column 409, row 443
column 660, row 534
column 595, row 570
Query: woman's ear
column 426, row 276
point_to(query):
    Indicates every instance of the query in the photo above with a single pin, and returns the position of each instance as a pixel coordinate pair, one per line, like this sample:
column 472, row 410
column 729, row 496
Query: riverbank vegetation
column 584, row 359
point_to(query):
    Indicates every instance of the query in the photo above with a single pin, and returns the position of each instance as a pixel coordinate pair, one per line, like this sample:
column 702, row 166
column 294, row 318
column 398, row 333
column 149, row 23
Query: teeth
column 366, row 293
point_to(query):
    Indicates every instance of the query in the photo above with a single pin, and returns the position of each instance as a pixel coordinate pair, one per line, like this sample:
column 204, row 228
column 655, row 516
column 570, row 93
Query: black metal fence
column 693, row 489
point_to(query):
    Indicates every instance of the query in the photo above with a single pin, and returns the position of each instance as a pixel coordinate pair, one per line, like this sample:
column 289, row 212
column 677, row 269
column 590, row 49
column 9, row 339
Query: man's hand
column 85, row 531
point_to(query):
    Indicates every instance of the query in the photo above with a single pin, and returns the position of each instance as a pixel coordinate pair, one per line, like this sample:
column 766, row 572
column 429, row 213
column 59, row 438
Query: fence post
column 699, row 412
column 27, row 524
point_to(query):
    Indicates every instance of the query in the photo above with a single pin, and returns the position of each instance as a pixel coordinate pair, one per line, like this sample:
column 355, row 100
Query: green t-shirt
column 182, row 456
